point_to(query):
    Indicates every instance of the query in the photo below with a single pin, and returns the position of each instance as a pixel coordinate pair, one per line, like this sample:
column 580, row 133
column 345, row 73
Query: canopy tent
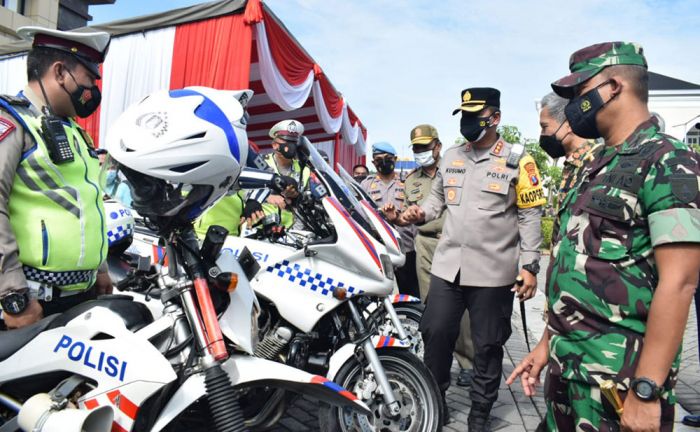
column 232, row 44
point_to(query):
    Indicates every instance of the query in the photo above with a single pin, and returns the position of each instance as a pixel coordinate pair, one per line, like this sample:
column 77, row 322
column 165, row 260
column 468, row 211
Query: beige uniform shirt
column 392, row 191
column 418, row 185
column 492, row 215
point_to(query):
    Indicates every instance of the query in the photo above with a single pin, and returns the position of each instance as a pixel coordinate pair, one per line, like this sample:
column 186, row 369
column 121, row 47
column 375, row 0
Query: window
column 14, row 5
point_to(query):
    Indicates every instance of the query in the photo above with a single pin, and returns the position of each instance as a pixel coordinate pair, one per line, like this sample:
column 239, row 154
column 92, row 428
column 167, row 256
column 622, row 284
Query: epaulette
column 14, row 100
column 516, row 152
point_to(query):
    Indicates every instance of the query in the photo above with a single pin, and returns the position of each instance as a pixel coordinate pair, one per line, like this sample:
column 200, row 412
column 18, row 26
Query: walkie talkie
column 53, row 133
column 56, row 139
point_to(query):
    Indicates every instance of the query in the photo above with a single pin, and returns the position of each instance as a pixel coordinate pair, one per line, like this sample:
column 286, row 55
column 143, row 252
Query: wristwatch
column 533, row 267
column 645, row 389
column 15, row 302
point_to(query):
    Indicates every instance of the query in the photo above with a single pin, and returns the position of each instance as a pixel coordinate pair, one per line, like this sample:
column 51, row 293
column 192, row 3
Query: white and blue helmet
column 181, row 150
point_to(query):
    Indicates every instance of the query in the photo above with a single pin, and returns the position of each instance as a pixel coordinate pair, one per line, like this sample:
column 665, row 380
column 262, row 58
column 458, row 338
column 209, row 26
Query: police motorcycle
column 107, row 364
column 314, row 288
column 402, row 312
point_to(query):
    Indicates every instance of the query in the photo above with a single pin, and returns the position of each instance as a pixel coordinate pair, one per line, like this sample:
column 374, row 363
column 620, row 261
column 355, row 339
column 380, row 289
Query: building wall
column 676, row 108
column 37, row 12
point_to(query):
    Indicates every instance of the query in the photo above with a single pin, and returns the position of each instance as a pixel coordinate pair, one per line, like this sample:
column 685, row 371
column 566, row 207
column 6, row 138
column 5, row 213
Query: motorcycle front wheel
column 413, row 386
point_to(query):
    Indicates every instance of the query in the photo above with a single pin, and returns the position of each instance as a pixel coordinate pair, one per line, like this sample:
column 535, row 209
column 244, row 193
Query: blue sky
column 402, row 63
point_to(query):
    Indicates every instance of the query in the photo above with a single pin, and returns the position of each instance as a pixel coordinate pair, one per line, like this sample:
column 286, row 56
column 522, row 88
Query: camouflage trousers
column 575, row 406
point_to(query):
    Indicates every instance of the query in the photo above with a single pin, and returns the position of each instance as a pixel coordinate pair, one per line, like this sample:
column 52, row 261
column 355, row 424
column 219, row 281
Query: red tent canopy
column 232, row 44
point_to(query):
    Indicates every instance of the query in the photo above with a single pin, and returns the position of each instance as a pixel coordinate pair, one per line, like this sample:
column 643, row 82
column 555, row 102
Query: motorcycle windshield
column 338, row 188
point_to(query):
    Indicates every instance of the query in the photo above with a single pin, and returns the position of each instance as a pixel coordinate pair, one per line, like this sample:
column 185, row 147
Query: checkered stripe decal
column 119, row 232
column 305, row 278
column 57, row 278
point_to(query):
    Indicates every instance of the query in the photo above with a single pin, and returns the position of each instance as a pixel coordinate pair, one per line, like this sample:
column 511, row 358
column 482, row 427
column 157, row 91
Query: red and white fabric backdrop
column 250, row 50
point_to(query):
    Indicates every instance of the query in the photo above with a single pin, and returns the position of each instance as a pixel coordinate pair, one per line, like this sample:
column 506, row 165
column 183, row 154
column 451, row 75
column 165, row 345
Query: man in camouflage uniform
column 491, row 193
column 627, row 257
column 426, row 147
column 387, row 191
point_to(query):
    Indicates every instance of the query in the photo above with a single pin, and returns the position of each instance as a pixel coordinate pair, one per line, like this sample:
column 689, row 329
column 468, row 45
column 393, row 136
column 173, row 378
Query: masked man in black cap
column 52, row 222
column 492, row 196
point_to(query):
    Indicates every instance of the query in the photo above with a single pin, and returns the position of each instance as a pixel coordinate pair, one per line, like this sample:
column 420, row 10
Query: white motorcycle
column 313, row 288
column 108, row 364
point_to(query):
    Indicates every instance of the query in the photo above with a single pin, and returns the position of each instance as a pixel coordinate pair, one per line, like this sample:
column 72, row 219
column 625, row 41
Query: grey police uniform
column 418, row 186
column 393, row 191
column 492, row 199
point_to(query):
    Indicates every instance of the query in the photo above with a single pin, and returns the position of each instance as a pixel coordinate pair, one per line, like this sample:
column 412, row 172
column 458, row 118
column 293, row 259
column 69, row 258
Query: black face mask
column 553, row 145
column 288, row 148
column 85, row 100
column 581, row 112
column 360, row 178
column 386, row 166
column 474, row 128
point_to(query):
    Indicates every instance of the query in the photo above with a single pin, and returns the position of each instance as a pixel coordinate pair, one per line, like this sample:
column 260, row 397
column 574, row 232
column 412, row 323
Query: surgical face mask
column 360, row 178
column 552, row 145
column 385, row 165
column 424, row 159
column 581, row 112
column 85, row 100
column 474, row 128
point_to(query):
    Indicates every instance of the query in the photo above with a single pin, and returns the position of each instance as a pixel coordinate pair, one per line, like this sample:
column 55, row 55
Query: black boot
column 464, row 379
column 479, row 417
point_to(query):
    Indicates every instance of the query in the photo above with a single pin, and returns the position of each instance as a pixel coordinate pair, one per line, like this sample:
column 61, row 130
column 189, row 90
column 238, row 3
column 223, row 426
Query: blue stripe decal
column 211, row 113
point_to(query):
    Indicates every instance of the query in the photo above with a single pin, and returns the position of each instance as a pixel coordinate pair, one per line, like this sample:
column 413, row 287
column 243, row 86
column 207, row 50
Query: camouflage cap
column 587, row 62
column 423, row 134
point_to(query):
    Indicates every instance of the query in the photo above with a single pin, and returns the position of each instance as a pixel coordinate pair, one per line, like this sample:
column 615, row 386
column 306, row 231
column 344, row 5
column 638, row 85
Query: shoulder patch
column 684, row 187
column 6, row 128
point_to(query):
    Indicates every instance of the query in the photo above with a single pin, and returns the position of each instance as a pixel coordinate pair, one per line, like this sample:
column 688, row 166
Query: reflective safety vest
column 287, row 216
column 226, row 213
column 56, row 210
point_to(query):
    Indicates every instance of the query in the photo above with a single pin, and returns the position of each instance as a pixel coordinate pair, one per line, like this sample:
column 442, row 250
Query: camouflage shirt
column 569, row 175
column 628, row 200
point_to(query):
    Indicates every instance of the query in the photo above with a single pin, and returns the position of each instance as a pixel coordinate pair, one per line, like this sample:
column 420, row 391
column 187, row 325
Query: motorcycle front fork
column 391, row 404
column 389, row 306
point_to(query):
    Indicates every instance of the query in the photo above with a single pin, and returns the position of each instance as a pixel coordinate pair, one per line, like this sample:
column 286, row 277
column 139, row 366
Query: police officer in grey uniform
column 49, row 173
column 492, row 194
column 426, row 147
column 387, row 190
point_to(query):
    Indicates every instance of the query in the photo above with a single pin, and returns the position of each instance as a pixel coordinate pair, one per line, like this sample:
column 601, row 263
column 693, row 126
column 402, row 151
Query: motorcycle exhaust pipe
column 38, row 415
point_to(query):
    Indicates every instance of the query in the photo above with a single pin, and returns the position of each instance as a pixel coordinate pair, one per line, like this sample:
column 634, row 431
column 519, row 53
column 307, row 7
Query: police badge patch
column 6, row 128
column 684, row 187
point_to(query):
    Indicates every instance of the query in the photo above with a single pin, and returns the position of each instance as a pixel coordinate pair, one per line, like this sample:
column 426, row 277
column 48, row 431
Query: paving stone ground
column 515, row 412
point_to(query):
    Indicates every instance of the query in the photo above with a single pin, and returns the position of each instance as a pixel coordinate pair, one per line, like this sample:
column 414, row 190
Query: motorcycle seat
column 12, row 341
column 134, row 314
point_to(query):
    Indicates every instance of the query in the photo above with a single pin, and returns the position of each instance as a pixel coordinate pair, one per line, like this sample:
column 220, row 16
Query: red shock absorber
column 216, row 346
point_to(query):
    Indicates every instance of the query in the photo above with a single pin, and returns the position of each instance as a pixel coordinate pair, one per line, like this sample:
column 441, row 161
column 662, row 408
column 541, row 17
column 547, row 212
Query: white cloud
column 401, row 63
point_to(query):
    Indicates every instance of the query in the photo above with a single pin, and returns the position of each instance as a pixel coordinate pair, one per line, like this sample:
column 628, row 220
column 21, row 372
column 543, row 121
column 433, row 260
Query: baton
column 519, row 282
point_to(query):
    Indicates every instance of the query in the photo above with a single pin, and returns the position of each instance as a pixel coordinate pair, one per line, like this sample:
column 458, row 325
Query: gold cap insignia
column 467, row 96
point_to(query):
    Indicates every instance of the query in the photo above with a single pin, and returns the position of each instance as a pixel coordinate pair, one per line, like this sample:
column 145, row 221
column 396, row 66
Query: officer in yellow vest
column 283, row 162
column 52, row 221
